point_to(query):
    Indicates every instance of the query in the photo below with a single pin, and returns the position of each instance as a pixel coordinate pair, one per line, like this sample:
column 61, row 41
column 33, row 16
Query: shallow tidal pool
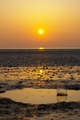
column 41, row 96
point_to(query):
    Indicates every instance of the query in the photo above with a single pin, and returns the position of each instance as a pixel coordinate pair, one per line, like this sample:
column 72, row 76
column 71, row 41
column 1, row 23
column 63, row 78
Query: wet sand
column 48, row 69
column 67, row 77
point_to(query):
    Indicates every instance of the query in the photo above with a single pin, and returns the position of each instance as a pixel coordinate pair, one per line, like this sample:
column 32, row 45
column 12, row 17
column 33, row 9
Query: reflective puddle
column 41, row 96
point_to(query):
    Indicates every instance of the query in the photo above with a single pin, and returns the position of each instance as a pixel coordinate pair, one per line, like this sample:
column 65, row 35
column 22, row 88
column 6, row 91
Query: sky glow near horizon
column 21, row 20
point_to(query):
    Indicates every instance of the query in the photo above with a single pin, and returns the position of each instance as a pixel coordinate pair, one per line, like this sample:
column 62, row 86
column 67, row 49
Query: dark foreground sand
column 11, row 110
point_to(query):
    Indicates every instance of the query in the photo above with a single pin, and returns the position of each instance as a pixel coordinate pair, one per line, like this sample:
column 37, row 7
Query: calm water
column 41, row 96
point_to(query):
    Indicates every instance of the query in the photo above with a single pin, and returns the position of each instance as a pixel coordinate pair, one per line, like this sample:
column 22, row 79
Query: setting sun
column 41, row 31
column 41, row 48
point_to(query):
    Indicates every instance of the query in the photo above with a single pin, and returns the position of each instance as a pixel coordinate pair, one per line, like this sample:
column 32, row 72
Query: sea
column 34, row 57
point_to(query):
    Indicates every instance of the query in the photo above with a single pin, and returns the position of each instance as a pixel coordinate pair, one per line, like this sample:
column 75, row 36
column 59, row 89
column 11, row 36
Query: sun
column 41, row 48
column 41, row 31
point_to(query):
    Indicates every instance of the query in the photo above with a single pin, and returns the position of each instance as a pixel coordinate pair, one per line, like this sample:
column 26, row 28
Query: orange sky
column 20, row 21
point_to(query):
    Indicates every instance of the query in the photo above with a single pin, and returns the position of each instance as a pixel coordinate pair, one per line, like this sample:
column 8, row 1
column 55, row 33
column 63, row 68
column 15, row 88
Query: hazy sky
column 20, row 21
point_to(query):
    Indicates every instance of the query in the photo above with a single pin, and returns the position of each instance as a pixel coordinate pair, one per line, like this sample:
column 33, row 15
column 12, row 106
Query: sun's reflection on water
column 47, row 73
